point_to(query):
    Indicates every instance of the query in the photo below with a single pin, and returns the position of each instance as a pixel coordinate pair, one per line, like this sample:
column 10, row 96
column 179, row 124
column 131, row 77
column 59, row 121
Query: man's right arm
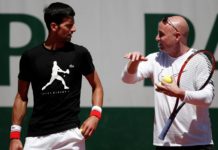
column 128, row 75
column 19, row 111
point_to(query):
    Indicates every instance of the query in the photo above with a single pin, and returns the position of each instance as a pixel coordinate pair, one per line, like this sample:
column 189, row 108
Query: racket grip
column 165, row 129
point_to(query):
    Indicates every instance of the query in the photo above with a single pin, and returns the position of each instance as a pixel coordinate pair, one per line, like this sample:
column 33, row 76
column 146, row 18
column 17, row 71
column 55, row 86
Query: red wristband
column 96, row 114
column 15, row 135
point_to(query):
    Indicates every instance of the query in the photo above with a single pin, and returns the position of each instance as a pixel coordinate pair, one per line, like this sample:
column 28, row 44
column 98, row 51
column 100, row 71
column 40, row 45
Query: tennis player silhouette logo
column 55, row 76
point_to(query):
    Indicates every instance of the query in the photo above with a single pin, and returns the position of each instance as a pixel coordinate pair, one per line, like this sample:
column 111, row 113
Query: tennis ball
column 167, row 78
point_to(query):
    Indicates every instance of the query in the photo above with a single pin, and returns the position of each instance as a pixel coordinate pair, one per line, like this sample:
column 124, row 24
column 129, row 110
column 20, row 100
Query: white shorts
column 67, row 140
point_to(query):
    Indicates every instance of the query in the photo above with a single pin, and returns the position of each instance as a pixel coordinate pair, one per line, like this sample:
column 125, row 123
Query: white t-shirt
column 192, row 124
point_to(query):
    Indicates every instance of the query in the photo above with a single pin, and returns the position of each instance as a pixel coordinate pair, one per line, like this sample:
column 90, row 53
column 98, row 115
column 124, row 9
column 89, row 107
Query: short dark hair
column 56, row 12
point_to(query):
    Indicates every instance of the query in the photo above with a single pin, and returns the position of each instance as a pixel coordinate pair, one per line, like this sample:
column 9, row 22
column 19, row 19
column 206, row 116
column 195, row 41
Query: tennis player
column 191, row 129
column 54, row 123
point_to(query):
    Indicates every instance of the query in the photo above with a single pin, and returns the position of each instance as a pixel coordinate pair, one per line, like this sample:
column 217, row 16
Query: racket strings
column 205, row 70
column 188, row 75
column 196, row 72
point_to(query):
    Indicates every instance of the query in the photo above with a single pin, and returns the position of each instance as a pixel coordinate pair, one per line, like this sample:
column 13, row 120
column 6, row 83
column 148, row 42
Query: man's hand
column 89, row 126
column 170, row 89
column 15, row 144
column 135, row 56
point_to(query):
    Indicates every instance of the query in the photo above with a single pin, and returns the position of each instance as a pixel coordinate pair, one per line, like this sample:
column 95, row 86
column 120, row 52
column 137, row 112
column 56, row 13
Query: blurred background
column 109, row 29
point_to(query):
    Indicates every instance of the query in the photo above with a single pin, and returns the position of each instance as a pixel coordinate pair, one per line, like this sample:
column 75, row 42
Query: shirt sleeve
column 86, row 65
column 129, row 78
column 24, row 68
column 202, row 97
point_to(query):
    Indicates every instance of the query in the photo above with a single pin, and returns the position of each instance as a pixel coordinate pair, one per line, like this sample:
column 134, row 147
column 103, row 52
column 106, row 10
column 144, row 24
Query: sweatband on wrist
column 96, row 111
column 97, row 108
column 15, row 132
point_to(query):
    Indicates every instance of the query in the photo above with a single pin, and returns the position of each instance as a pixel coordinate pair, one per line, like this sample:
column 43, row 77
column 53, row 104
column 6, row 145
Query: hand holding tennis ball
column 166, row 85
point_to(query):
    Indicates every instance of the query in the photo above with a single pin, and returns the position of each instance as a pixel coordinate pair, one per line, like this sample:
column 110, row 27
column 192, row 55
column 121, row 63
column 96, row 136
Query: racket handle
column 165, row 129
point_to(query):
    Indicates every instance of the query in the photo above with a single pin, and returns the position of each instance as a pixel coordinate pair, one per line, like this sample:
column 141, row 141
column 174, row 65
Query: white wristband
column 15, row 128
column 97, row 108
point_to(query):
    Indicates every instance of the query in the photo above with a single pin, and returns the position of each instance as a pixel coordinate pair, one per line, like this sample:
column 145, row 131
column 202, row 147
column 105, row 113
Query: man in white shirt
column 191, row 128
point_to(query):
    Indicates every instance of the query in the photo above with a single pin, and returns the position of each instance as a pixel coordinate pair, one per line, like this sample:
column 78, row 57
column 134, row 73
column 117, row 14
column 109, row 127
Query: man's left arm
column 90, row 124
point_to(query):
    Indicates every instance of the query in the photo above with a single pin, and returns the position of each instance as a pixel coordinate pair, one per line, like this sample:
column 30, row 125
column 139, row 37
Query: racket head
column 197, row 71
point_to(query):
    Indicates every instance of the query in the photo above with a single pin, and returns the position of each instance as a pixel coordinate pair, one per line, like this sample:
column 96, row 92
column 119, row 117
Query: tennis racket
column 187, row 79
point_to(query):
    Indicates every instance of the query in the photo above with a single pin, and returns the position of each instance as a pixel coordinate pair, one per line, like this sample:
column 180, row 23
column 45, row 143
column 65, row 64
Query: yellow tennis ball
column 167, row 78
